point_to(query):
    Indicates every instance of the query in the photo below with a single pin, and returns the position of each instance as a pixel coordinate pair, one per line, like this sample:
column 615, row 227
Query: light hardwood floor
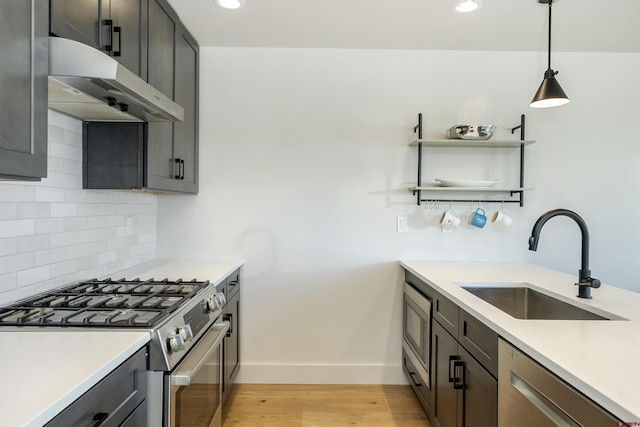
column 266, row 405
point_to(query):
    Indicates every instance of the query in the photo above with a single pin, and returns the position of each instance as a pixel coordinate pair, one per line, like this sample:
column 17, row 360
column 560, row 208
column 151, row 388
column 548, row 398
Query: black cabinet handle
column 109, row 23
column 452, row 362
column 229, row 318
column 181, row 169
column 416, row 383
column 99, row 418
column 459, row 381
column 176, row 161
column 119, row 31
column 233, row 283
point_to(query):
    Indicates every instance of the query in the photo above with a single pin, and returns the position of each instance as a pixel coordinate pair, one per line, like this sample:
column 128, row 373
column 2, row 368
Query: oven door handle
column 182, row 377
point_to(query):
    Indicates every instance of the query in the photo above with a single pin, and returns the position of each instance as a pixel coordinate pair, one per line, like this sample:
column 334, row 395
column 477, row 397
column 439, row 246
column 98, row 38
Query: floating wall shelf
column 514, row 193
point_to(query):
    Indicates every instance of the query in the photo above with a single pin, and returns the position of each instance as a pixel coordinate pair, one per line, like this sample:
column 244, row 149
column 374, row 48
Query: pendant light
column 549, row 94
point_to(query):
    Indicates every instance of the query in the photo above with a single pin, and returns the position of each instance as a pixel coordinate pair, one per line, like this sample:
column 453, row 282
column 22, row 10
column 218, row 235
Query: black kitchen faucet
column 585, row 281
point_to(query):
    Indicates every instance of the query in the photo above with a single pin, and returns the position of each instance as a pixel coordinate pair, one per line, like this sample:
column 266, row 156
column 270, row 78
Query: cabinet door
column 478, row 396
column 24, row 66
column 78, row 20
column 232, row 348
column 161, row 170
column 444, row 397
column 185, row 133
column 129, row 36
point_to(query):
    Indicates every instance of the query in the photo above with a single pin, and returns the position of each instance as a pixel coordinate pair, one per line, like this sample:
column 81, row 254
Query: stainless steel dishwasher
column 529, row 395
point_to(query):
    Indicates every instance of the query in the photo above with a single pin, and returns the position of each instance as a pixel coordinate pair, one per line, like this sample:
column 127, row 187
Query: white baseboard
column 320, row 374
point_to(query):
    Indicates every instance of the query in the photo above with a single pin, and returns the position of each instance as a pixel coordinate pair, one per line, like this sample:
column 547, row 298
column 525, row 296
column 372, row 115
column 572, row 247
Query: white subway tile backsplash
column 97, row 222
column 53, row 232
column 8, row 282
column 49, row 256
column 36, row 242
column 63, row 209
column 34, row 210
column 49, row 225
column 33, row 275
column 66, row 238
column 8, row 246
column 20, row 227
column 66, row 151
column 8, row 210
column 18, row 262
column 64, row 180
column 48, row 194
column 76, row 223
column 14, row 192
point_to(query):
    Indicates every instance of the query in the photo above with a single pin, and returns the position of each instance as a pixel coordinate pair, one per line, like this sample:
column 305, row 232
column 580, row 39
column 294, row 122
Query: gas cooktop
column 103, row 303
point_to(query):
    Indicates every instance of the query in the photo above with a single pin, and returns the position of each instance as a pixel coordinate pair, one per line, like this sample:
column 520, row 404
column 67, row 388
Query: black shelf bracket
column 520, row 200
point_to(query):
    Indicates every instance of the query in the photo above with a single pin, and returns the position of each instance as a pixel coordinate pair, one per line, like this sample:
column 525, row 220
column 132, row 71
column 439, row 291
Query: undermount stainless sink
column 523, row 302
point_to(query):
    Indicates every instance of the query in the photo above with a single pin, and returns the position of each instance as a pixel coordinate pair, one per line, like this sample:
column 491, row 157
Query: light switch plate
column 403, row 224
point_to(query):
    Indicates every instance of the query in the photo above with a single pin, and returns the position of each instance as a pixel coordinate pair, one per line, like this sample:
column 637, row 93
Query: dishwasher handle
column 185, row 371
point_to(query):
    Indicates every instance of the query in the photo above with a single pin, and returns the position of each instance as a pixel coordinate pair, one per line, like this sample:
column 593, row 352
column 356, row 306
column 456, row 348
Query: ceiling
column 503, row 25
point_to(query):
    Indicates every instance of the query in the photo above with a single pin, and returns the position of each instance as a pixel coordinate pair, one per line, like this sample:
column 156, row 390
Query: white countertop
column 44, row 372
column 601, row 358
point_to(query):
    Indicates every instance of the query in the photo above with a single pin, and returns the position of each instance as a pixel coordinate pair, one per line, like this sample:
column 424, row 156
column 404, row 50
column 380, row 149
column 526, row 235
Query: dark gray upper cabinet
column 185, row 133
column 24, row 62
column 116, row 27
column 163, row 155
column 172, row 148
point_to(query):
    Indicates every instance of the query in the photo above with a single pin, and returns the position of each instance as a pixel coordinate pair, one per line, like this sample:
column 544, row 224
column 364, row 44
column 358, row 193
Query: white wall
column 304, row 166
column 53, row 232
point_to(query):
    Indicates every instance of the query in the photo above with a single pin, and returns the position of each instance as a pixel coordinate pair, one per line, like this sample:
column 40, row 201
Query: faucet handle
column 594, row 283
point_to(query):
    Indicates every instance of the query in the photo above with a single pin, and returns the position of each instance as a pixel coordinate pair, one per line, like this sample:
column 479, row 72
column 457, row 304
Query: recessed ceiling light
column 230, row 4
column 465, row 6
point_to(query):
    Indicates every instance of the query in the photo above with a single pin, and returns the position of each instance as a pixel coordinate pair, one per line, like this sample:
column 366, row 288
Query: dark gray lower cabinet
column 463, row 366
column 118, row 400
column 232, row 341
column 465, row 393
column 24, row 66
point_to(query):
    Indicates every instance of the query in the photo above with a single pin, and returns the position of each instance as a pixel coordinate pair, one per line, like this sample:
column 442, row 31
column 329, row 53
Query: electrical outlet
column 402, row 224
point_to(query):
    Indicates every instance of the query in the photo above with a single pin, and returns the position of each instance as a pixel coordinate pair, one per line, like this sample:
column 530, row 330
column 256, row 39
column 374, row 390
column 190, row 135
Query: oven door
column 195, row 385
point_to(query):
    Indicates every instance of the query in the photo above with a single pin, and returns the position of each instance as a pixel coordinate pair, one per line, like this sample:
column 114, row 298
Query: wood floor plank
column 320, row 405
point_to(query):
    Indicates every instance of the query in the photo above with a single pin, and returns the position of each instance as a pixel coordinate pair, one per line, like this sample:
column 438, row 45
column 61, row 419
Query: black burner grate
column 103, row 303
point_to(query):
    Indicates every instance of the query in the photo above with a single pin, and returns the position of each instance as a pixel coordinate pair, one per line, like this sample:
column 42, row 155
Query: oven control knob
column 212, row 304
column 175, row 343
column 185, row 333
column 221, row 299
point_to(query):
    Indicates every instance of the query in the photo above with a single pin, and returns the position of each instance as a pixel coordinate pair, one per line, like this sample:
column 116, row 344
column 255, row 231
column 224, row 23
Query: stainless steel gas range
column 184, row 319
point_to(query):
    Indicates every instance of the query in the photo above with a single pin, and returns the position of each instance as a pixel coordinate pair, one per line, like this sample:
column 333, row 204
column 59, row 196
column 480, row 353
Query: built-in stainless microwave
column 417, row 331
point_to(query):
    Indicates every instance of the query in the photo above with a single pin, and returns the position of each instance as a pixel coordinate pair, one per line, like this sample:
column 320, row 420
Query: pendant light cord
column 549, row 50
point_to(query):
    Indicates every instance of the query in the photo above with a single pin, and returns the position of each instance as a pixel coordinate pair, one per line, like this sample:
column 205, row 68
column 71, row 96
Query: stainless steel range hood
column 90, row 85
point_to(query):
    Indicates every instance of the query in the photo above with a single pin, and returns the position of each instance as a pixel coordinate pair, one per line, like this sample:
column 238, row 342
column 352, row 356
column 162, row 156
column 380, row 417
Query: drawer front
column 479, row 340
column 446, row 313
column 417, row 381
column 113, row 399
column 233, row 284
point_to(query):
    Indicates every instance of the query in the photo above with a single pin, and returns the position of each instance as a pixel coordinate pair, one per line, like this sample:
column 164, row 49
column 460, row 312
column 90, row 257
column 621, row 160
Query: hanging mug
column 502, row 217
column 478, row 218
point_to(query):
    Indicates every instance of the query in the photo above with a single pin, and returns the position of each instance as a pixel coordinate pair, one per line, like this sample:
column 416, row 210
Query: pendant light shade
column 549, row 94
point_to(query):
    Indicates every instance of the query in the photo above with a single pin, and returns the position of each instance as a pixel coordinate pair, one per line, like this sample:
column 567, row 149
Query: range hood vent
column 90, row 85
